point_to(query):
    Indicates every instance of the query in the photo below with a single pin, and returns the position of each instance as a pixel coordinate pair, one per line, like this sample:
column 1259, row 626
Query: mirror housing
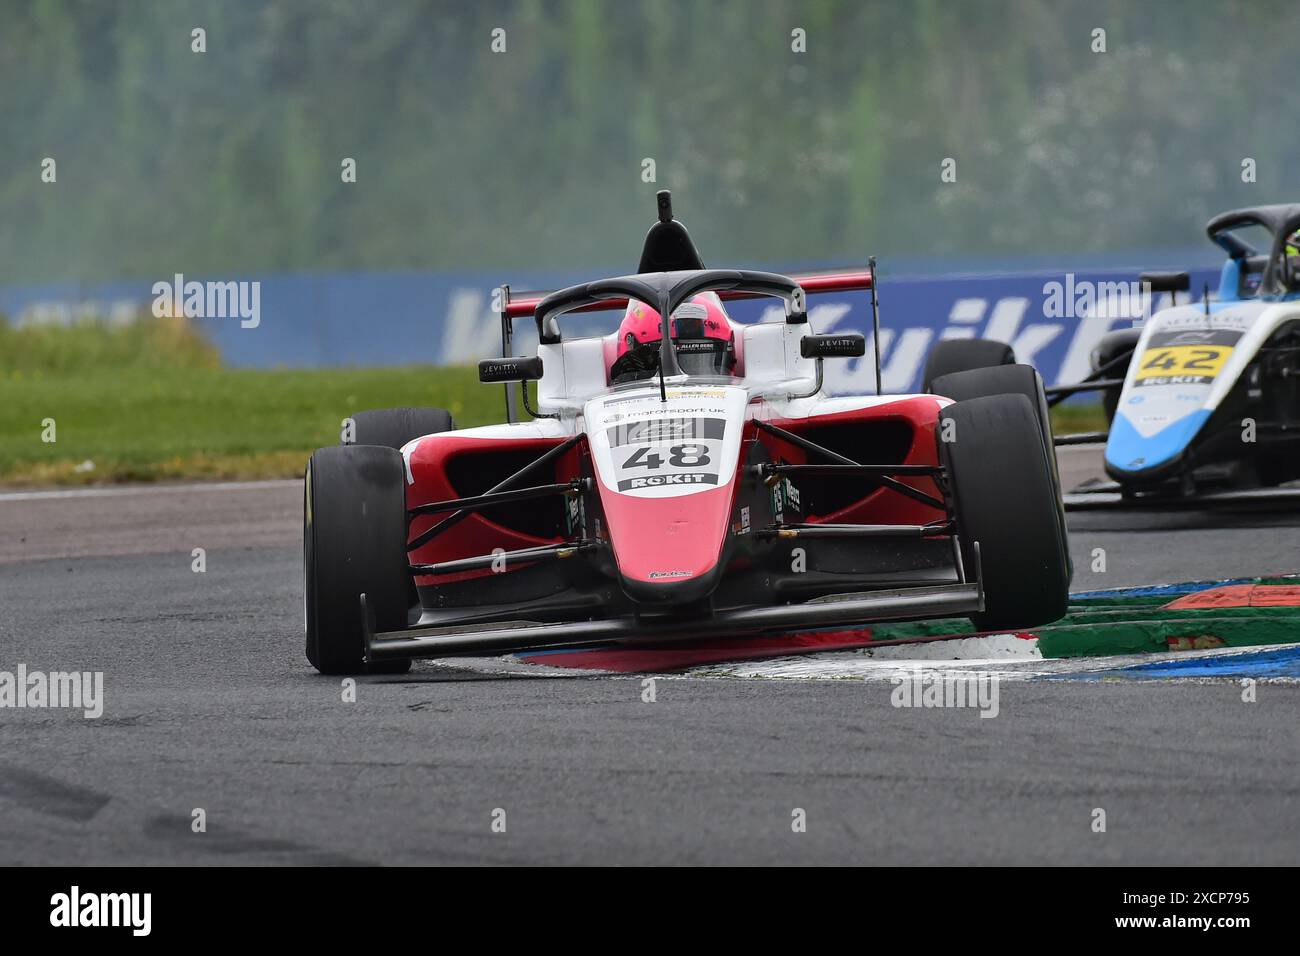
column 1167, row 281
column 796, row 309
column 513, row 369
column 833, row 345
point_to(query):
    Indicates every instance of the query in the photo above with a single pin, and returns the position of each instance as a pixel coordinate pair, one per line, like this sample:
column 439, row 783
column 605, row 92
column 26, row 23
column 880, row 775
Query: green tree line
column 788, row 131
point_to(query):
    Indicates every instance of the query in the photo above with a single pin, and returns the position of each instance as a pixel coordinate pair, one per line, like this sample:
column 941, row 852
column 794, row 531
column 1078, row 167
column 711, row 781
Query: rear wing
column 518, row 305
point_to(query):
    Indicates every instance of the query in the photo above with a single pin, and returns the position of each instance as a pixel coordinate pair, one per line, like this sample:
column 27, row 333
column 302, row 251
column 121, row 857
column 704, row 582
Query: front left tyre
column 354, row 542
column 961, row 355
column 1005, row 500
column 1006, row 380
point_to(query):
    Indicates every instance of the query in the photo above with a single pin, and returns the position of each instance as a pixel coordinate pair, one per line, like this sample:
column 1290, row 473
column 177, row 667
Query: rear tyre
column 961, row 355
column 354, row 542
column 394, row 427
column 1004, row 498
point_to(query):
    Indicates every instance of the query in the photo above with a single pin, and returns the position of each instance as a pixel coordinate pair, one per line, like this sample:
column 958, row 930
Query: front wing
column 944, row 600
column 1109, row 494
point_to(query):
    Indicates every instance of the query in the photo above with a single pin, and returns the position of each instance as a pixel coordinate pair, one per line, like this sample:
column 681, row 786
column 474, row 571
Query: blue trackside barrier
column 1053, row 319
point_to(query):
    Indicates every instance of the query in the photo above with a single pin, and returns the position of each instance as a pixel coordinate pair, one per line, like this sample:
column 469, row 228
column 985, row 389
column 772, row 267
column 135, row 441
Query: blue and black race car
column 1203, row 400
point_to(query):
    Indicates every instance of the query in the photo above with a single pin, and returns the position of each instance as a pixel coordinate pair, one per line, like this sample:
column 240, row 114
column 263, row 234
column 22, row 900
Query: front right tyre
column 394, row 427
column 354, row 542
column 961, row 355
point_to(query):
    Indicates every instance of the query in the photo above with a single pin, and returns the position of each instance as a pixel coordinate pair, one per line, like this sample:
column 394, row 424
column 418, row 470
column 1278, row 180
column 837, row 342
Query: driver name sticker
column 666, row 430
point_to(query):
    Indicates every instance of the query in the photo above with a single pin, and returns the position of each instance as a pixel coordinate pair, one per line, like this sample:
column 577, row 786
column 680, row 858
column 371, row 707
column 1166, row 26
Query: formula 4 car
column 1203, row 400
column 678, row 480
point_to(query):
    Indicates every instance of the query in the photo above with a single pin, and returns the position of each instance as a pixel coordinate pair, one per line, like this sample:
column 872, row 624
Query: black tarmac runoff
column 218, row 743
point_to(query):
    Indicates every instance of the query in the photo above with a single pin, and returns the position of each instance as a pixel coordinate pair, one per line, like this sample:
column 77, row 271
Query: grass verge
column 1072, row 419
column 147, row 424
column 147, row 401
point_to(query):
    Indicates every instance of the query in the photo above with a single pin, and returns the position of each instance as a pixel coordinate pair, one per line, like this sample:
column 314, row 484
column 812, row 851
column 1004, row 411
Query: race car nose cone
column 668, row 549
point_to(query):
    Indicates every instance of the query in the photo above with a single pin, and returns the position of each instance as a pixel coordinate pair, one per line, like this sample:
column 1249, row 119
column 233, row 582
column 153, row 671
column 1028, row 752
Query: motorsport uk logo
column 76, row 690
column 77, row 909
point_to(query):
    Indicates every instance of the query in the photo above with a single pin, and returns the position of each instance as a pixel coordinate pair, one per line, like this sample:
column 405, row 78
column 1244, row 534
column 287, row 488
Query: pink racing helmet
column 700, row 329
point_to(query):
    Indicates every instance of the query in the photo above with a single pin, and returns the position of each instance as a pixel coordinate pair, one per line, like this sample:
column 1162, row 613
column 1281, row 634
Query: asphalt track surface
column 210, row 704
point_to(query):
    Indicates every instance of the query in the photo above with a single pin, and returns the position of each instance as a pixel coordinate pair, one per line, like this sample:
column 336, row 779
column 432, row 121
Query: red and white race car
column 680, row 480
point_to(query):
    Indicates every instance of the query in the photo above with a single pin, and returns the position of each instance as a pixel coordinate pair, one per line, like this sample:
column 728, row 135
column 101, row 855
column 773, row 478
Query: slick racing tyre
column 394, row 427
column 353, row 542
column 1007, row 380
column 960, row 355
column 1004, row 499
column 1111, row 347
